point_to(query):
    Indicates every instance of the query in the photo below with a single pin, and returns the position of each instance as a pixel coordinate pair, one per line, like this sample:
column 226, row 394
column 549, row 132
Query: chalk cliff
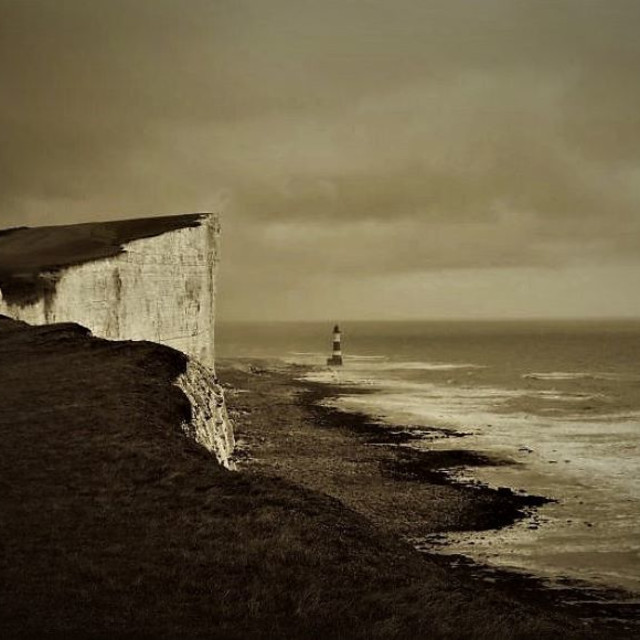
column 148, row 279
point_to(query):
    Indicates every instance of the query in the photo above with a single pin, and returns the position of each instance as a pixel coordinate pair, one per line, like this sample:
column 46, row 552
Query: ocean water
column 560, row 401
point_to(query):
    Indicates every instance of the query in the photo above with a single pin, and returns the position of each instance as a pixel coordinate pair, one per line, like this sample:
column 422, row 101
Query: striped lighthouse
column 336, row 355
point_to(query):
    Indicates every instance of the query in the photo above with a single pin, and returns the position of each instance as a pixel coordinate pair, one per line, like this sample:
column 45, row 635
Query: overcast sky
column 372, row 159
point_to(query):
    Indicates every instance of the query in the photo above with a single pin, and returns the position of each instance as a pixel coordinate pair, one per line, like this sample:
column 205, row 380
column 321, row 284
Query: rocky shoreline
column 411, row 493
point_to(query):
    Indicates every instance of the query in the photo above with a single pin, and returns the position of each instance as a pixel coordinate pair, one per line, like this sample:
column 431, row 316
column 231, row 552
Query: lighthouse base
column 336, row 361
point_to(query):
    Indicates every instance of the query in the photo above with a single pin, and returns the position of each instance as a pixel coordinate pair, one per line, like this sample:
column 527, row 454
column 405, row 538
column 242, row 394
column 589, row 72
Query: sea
column 559, row 401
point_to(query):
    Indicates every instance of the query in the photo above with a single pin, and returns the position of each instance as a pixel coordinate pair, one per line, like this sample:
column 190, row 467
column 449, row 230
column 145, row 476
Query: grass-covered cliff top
column 115, row 525
column 27, row 252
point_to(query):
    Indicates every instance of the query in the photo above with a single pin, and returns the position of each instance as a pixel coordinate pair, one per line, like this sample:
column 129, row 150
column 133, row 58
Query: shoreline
column 436, row 466
column 476, row 508
column 426, row 466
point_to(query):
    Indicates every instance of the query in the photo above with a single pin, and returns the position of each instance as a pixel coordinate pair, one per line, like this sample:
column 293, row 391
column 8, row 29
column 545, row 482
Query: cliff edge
column 67, row 352
column 143, row 279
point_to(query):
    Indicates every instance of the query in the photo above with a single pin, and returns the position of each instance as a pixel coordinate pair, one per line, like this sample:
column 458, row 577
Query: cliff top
column 30, row 250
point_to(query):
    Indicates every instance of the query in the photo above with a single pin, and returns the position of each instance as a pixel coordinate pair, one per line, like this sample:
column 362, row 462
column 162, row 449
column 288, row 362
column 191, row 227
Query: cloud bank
column 350, row 144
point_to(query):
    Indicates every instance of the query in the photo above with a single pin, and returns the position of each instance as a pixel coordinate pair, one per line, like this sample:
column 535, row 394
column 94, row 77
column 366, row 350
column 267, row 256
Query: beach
column 288, row 426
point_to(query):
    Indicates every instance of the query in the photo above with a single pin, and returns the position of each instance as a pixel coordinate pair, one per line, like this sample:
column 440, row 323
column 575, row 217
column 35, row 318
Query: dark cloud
column 340, row 136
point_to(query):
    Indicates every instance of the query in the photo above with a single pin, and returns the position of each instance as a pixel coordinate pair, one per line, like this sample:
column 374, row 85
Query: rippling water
column 561, row 401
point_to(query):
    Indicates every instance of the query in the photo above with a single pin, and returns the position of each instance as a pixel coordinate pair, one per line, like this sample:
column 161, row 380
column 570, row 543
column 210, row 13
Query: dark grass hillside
column 113, row 524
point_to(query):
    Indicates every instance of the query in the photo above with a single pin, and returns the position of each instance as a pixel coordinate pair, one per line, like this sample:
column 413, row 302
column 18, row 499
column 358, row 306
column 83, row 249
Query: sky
column 413, row 159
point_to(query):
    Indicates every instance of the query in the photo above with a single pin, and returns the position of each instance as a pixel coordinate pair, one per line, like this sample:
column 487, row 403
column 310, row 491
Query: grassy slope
column 114, row 525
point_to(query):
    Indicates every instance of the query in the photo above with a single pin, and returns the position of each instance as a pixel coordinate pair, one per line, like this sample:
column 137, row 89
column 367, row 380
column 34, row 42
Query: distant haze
column 372, row 159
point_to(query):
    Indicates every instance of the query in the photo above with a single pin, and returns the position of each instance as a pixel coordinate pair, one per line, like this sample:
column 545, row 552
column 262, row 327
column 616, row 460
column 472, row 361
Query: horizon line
column 444, row 319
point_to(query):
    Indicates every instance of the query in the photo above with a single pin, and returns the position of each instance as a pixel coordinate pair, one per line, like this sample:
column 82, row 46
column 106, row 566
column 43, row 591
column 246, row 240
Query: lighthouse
column 336, row 355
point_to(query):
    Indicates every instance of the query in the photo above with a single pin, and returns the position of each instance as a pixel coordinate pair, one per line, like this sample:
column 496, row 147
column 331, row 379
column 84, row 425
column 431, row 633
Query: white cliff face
column 160, row 289
column 210, row 425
